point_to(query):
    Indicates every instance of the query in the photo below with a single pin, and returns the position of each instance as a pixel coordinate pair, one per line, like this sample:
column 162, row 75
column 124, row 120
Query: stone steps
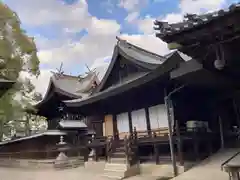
column 95, row 167
column 115, row 166
column 118, row 160
column 115, row 171
column 120, row 171
column 118, row 155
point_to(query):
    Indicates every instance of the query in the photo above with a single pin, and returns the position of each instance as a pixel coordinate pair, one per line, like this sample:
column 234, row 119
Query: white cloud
column 148, row 42
column 68, row 19
column 74, row 17
column 146, row 25
column 41, row 83
column 89, row 48
column 103, row 26
column 173, row 18
column 200, row 6
column 101, row 65
column 131, row 17
column 132, row 5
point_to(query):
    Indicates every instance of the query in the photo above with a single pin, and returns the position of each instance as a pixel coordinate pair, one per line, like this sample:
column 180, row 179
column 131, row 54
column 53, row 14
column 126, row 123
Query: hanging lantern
column 219, row 64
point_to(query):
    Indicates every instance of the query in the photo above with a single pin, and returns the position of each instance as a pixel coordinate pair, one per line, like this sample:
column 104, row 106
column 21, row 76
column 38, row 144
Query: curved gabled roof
column 69, row 86
column 141, row 57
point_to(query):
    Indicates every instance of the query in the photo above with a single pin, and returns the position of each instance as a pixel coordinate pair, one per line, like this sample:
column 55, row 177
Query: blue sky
column 79, row 32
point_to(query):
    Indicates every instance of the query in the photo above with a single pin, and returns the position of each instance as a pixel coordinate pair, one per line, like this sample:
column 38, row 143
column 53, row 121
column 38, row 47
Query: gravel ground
column 69, row 174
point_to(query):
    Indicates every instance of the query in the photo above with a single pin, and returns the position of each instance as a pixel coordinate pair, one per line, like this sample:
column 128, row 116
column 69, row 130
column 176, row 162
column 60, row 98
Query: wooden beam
column 115, row 129
column 179, row 144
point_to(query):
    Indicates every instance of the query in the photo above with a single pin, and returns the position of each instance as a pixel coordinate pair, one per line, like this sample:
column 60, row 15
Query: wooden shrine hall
column 143, row 94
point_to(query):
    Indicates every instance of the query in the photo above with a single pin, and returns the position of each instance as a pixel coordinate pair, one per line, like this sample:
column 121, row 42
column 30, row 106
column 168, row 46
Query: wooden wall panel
column 108, row 121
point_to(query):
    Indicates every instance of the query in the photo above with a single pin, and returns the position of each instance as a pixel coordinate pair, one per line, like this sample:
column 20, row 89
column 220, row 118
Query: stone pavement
column 209, row 169
column 68, row 174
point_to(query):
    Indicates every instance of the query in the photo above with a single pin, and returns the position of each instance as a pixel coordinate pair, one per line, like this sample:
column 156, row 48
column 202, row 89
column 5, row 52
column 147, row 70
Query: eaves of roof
column 165, row 30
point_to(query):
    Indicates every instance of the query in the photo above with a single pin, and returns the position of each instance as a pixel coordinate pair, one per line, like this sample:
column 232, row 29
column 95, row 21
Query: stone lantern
column 62, row 160
column 92, row 153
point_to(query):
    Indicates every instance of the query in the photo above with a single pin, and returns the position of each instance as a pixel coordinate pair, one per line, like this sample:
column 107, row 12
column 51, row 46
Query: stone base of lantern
column 62, row 161
column 91, row 156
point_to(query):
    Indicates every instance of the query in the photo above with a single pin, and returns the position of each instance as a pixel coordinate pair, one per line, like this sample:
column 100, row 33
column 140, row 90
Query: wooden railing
column 134, row 139
column 131, row 148
column 152, row 133
column 109, row 148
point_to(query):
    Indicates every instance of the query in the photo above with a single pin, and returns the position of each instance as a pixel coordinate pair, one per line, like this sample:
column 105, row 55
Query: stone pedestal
column 61, row 161
column 92, row 155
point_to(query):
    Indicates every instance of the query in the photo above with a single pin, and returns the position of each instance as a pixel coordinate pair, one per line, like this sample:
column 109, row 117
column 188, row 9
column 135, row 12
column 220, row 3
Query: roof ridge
column 137, row 47
column 63, row 74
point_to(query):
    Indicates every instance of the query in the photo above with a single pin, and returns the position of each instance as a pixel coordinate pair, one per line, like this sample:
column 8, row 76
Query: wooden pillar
column 236, row 112
column 148, row 121
column 130, row 122
column 156, row 153
column 221, row 132
column 170, row 134
column 179, row 143
column 196, row 146
column 115, row 129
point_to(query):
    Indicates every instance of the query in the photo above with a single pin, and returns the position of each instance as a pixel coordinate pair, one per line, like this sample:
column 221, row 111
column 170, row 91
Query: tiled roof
column 74, row 85
column 141, row 57
column 192, row 21
column 139, row 54
column 71, row 86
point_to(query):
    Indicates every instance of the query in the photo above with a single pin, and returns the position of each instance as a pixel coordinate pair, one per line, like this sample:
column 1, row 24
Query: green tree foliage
column 18, row 56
